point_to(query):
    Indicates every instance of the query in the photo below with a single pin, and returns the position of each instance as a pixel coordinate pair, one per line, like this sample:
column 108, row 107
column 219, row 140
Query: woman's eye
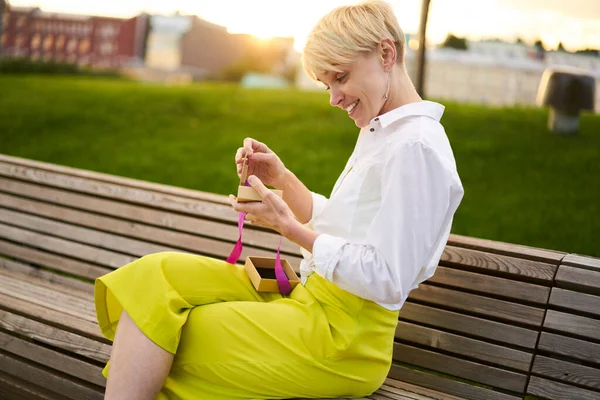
column 341, row 78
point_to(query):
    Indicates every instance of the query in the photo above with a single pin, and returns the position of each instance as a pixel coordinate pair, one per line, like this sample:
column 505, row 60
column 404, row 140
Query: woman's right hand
column 262, row 162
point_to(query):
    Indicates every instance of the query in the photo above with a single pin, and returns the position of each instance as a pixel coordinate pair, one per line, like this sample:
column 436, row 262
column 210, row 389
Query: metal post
column 421, row 52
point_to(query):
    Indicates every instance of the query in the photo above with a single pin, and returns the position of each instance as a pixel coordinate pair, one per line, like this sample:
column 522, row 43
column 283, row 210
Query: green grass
column 522, row 184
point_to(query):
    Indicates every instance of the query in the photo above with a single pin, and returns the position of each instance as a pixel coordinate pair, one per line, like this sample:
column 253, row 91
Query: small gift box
column 246, row 193
column 261, row 271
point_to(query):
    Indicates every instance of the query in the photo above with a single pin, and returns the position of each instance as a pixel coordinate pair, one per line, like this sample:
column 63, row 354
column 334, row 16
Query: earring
column 387, row 92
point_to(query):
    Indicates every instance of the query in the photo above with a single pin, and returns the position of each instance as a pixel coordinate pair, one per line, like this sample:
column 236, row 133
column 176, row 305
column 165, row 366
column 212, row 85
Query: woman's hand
column 271, row 213
column 262, row 163
column 274, row 213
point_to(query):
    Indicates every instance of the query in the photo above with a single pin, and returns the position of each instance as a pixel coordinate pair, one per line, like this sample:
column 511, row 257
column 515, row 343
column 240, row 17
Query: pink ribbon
column 282, row 279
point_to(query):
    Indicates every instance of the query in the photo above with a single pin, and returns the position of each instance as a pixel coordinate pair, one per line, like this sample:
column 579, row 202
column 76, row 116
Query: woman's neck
column 402, row 90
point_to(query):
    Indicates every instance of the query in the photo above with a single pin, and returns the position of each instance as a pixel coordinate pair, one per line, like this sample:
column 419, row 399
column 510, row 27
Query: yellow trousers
column 232, row 342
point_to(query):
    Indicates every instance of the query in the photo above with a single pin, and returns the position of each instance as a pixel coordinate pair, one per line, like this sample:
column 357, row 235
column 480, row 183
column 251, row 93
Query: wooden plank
column 390, row 382
column 118, row 192
column 473, row 326
column 508, row 249
column 65, row 247
column 444, row 385
column 115, row 212
column 462, row 346
column 123, row 181
column 52, row 317
column 57, row 383
column 52, row 359
column 153, row 239
column 479, row 305
column 578, row 279
column 472, row 371
column 570, row 347
column 582, row 261
column 39, row 275
column 567, row 372
column 390, row 392
column 49, row 298
column 567, row 299
column 512, row 267
column 14, row 388
column 53, row 261
column 56, row 337
column 491, row 285
column 558, row 391
column 572, row 324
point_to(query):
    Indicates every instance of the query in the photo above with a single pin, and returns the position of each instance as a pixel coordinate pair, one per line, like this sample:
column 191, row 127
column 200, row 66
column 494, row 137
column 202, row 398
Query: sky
column 575, row 22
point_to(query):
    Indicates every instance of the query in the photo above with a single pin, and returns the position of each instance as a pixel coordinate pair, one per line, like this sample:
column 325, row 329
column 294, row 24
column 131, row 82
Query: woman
column 187, row 327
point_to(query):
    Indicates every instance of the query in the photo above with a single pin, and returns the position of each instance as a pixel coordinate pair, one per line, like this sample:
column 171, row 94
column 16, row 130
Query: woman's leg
column 138, row 367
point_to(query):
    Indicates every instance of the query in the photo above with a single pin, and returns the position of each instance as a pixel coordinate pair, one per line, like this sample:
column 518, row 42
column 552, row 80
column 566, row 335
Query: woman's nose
column 335, row 97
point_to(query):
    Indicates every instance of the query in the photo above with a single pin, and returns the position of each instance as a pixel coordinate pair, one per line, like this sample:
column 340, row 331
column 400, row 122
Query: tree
column 591, row 52
column 561, row 47
column 519, row 41
column 539, row 45
column 421, row 59
column 455, row 42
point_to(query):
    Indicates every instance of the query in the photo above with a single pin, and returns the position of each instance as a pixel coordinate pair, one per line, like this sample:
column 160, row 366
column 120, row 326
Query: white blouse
column 388, row 218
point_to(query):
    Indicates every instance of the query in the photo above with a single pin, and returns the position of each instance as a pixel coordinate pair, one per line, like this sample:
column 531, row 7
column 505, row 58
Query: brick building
column 81, row 39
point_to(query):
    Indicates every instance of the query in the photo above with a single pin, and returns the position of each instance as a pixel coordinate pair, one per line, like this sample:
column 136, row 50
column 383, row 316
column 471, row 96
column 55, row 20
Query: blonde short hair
column 343, row 33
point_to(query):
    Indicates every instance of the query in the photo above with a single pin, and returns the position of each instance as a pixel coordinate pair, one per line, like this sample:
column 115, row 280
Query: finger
column 250, row 217
column 260, row 188
column 239, row 155
column 249, row 145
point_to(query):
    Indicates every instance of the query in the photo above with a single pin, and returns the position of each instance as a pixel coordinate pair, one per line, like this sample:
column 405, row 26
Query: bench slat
column 72, row 208
column 57, row 262
column 582, row 261
column 470, row 370
column 567, row 299
column 509, row 249
column 473, row 326
column 479, row 305
column 505, row 265
column 578, row 279
column 462, row 346
column 52, row 317
column 56, row 337
column 446, row 385
column 567, row 372
column 389, row 382
column 558, row 391
column 55, row 382
column 566, row 346
column 14, row 388
column 120, row 180
column 486, row 284
column 52, row 359
column 572, row 324
column 39, row 275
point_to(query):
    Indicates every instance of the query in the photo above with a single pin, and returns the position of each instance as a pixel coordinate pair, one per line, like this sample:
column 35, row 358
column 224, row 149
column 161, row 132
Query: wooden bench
column 470, row 332
column 567, row 366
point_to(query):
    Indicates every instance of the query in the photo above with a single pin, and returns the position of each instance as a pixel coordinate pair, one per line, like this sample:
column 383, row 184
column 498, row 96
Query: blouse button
column 372, row 129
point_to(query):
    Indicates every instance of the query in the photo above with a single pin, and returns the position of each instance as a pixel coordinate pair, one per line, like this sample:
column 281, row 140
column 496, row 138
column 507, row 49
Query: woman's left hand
column 272, row 212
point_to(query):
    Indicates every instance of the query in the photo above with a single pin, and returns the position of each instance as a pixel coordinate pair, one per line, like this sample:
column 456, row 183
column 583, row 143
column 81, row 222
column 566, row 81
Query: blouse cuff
column 327, row 251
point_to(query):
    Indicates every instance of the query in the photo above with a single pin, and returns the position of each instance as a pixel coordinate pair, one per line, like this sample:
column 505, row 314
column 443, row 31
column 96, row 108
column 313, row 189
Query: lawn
column 522, row 184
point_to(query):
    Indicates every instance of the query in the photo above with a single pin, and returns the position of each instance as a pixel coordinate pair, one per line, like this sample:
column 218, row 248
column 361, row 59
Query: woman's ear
column 388, row 53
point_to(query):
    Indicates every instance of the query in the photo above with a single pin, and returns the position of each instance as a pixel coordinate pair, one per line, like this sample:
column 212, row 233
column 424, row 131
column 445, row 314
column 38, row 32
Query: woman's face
column 359, row 89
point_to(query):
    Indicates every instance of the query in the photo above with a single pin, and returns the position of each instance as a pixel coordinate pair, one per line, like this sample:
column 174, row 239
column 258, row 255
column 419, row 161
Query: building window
column 4, row 39
column 60, row 42
column 5, row 18
column 38, row 25
column 107, row 31
column 107, row 48
column 19, row 41
column 35, row 41
column 84, row 46
column 21, row 22
column 48, row 41
column 72, row 45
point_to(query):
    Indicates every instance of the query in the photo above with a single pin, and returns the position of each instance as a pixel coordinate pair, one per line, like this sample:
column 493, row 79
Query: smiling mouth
column 351, row 107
